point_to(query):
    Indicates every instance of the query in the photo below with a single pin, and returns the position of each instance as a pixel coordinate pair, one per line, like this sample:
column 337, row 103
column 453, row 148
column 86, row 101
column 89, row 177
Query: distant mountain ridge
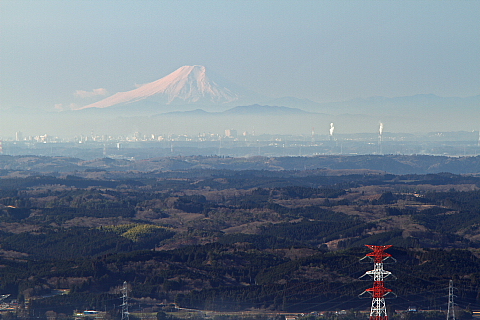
column 381, row 104
column 254, row 109
column 190, row 87
column 192, row 100
column 400, row 105
column 263, row 109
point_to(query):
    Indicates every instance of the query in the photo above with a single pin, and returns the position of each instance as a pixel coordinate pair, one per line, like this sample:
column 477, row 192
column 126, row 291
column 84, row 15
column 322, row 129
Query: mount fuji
column 187, row 86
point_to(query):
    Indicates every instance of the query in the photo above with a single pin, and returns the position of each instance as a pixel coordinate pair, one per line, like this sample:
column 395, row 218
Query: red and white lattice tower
column 378, row 292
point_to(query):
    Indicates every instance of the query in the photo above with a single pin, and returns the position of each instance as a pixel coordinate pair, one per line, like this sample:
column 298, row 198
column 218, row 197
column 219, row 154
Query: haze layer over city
column 253, row 74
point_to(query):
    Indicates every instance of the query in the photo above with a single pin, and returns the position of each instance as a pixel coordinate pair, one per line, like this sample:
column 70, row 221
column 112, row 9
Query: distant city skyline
column 232, row 143
column 59, row 53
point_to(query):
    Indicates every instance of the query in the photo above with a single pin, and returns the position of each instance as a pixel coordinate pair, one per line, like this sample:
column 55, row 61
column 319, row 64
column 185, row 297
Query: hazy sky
column 58, row 52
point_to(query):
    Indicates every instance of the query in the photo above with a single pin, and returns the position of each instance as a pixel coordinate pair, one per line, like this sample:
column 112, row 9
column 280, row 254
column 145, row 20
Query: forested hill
column 395, row 164
column 285, row 240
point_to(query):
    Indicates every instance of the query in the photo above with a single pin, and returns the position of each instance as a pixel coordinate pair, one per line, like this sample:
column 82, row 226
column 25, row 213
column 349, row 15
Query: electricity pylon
column 125, row 313
column 451, row 305
column 378, row 310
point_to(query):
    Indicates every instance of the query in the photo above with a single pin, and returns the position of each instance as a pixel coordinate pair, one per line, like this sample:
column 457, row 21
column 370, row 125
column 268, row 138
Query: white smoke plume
column 380, row 130
column 332, row 128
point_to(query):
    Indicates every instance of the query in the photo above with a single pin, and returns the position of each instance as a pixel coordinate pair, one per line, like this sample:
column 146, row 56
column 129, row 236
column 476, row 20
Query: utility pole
column 451, row 305
column 125, row 314
column 378, row 310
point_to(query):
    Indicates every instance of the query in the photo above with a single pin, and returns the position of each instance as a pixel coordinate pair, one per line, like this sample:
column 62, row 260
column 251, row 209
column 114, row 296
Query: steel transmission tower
column 378, row 292
column 451, row 305
column 125, row 314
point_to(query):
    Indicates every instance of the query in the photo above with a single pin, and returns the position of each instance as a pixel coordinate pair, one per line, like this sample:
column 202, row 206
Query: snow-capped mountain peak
column 186, row 85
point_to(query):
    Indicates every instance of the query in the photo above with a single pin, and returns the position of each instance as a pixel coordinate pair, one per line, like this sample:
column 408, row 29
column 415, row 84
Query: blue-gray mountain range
column 190, row 101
